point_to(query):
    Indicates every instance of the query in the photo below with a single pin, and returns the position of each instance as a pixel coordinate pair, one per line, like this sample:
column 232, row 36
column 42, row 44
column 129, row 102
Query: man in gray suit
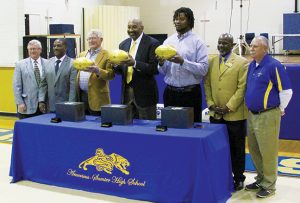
column 27, row 78
column 60, row 77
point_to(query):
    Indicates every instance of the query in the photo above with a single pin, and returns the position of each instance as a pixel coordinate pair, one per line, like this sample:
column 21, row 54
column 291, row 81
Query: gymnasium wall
column 7, row 104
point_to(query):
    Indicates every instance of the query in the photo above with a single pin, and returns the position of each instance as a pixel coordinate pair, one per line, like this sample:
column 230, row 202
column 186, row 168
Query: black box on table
column 70, row 111
column 116, row 114
column 177, row 117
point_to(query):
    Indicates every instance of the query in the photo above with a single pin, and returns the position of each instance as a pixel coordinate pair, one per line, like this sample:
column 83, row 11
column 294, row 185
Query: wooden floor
column 292, row 59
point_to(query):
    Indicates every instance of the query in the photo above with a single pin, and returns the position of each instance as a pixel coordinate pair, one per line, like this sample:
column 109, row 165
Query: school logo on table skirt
column 106, row 169
column 106, row 163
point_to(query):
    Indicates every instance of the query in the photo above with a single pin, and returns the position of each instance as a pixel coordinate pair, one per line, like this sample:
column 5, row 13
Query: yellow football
column 117, row 56
column 165, row 51
column 82, row 63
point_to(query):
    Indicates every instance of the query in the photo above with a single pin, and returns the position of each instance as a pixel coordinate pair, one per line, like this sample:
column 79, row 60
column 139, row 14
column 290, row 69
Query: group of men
column 236, row 91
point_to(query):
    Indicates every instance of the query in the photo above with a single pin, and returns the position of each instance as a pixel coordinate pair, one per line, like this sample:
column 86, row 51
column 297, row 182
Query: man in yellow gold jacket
column 92, row 83
column 225, row 85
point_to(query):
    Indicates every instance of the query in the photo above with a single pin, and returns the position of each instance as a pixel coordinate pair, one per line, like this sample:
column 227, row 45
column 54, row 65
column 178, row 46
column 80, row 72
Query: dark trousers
column 85, row 99
column 22, row 116
column 237, row 134
column 190, row 98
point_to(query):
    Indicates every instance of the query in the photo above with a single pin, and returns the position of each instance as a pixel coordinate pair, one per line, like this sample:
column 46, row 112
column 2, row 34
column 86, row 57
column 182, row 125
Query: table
column 281, row 36
column 134, row 161
column 289, row 122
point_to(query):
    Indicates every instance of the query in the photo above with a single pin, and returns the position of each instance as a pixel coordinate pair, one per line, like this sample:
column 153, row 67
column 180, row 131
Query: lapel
column 228, row 63
column 43, row 64
column 99, row 57
column 127, row 45
column 29, row 69
column 140, row 48
column 61, row 68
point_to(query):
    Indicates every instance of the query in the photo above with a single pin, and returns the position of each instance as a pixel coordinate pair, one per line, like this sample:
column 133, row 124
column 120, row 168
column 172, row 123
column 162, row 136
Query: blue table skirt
column 137, row 162
column 289, row 123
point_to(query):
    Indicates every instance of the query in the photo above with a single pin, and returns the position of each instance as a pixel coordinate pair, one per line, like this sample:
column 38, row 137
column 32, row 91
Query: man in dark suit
column 27, row 79
column 60, row 77
column 139, row 88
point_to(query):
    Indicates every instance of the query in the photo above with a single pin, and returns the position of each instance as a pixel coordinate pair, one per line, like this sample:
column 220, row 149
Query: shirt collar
column 38, row 60
column 138, row 40
column 226, row 57
column 263, row 61
column 61, row 59
column 95, row 51
column 184, row 35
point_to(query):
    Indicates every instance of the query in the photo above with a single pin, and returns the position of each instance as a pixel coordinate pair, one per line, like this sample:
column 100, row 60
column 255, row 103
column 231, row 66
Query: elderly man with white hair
column 28, row 75
column 93, row 85
column 268, row 93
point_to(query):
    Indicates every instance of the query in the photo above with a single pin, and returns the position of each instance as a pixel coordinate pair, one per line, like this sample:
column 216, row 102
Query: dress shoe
column 253, row 186
column 238, row 185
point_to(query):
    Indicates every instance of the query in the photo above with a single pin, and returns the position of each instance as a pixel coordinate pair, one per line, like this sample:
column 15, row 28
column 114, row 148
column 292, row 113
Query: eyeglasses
column 33, row 49
column 91, row 38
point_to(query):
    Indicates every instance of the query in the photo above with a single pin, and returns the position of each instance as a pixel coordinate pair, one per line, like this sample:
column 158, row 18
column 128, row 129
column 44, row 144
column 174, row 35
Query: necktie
column 92, row 53
column 37, row 72
column 222, row 65
column 57, row 65
column 130, row 68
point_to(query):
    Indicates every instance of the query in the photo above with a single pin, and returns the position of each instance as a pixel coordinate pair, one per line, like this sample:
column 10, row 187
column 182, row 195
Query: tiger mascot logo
column 106, row 163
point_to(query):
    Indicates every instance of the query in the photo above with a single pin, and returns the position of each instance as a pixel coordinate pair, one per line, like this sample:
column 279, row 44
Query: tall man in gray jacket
column 27, row 79
column 60, row 77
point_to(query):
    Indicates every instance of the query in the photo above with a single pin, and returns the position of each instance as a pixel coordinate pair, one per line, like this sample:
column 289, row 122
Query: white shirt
column 61, row 60
column 137, row 43
column 85, row 76
column 39, row 64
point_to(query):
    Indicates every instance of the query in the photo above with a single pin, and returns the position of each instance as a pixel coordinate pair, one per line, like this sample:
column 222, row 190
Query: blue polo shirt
column 264, row 83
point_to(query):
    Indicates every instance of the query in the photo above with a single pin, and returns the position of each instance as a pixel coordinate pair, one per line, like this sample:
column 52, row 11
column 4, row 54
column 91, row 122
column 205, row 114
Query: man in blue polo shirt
column 268, row 93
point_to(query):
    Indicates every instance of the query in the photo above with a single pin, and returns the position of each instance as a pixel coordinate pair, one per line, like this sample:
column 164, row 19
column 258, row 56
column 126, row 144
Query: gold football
column 117, row 56
column 82, row 63
column 165, row 51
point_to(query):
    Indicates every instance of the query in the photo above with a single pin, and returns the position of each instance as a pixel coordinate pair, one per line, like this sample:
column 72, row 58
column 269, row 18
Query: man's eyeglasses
column 33, row 49
column 91, row 38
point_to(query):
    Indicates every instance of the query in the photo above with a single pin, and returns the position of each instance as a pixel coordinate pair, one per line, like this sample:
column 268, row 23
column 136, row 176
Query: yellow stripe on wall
column 278, row 81
column 268, row 90
column 112, row 21
column 7, row 103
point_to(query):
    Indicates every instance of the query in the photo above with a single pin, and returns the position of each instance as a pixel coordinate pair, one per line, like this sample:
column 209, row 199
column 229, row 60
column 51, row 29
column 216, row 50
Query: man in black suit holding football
column 139, row 88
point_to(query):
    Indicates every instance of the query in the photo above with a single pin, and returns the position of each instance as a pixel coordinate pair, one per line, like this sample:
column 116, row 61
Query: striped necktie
column 130, row 68
column 222, row 65
column 37, row 72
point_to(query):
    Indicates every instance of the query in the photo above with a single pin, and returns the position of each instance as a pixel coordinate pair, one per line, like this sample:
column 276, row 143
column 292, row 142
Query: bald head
column 227, row 37
column 135, row 28
column 136, row 21
column 225, row 44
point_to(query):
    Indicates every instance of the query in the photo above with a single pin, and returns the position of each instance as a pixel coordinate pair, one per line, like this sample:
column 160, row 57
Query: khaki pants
column 145, row 113
column 263, row 137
